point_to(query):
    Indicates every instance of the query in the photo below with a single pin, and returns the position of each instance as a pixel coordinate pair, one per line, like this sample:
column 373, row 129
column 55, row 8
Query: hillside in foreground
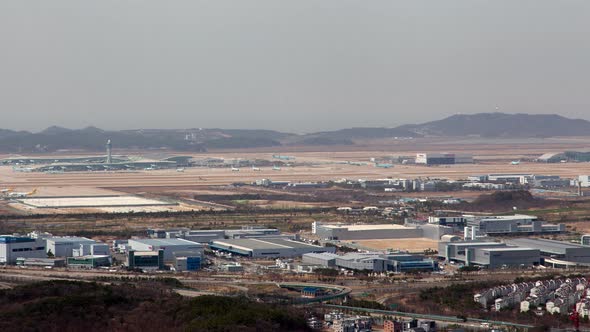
column 82, row 306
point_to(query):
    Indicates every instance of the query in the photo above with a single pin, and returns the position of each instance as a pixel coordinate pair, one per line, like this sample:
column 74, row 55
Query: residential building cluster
column 554, row 296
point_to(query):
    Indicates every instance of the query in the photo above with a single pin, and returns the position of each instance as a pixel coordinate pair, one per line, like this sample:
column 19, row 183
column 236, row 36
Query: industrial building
column 169, row 246
column 65, row 246
column 510, row 178
column 89, row 262
column 146, row 260
column 325, row 259
column 443, row 158
column 519, row 224
column 373, row 261
column 92, row 249
column 206, row 236
column 489, row 254
column 549, row 181
column 267, row 248
column 13, row 247
column 364, row 232
column 187, row 262
column 41, row 262
column 556, row 253
column 444, row 221
column 362, row 261
column 584, row 180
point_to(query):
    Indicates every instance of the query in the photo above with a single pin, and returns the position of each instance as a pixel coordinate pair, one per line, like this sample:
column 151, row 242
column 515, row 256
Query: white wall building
column 65, row 246
column 13, row 247
column 170, row 246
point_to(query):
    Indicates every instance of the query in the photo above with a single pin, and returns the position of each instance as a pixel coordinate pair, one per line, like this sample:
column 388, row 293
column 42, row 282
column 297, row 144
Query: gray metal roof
column 544, row 244
column 70, row 239
column 165, row 242
column 260, row 244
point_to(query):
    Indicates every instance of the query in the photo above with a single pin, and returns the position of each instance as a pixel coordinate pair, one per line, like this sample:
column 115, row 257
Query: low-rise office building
column 187, row 261
column 89, row 262
column 146, row 260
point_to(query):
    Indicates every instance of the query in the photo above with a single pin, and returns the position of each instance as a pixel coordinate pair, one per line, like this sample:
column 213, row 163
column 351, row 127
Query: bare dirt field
column 411, row 245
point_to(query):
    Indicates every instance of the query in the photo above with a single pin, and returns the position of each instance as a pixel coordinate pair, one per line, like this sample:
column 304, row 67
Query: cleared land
column 78, row 202
column 411, row 245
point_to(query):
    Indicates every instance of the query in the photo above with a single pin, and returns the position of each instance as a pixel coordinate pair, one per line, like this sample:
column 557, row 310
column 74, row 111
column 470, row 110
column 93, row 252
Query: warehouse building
column 13, row 247
column 267, row 248
column 362, row 261
column 325, row 259
column 556, row 253
column 443, row 158
column 510, row 178
column 549, row 181
column 206, row 236
column 364, row 232
column 489, row 254
column 169, row 246
column 64, row 246
column 477, row 226
column 92, row 249
column 373, row 261
column 41, row 262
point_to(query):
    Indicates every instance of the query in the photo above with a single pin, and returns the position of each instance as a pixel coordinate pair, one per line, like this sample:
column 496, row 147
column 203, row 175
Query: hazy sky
column 298, row 65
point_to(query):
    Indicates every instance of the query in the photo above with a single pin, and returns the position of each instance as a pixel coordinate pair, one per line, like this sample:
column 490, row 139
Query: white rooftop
column 367, row 227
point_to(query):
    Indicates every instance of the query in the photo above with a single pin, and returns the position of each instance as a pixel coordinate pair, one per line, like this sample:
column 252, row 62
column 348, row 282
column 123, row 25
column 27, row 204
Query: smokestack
column 109, row 156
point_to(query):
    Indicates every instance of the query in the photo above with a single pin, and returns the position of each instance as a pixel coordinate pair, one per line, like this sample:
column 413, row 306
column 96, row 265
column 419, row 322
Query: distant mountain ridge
column 492, row 125
column 503, row 125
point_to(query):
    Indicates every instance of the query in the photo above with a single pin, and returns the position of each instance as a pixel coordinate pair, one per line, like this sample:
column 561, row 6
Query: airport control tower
column 109, row 156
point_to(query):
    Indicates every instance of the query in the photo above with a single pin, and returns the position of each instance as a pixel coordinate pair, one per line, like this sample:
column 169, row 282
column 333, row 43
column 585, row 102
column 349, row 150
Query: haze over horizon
column 299, row 66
